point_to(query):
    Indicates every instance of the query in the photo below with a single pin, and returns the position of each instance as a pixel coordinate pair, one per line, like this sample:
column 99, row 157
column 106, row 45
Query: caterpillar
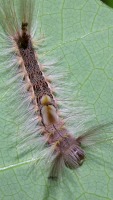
column 43, row 123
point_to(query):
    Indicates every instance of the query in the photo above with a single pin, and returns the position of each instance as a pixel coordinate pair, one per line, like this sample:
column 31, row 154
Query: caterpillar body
column 65, row 149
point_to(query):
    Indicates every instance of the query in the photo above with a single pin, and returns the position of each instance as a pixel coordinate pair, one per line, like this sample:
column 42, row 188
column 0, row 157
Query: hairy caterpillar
column 39, row 102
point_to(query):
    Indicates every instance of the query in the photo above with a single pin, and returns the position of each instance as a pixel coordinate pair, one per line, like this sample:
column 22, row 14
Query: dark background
column 108, row 2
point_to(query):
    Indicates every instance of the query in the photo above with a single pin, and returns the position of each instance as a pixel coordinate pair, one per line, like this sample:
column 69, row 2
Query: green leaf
column 81, row 33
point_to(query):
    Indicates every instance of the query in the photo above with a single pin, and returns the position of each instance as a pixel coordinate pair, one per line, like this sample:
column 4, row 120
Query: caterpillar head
column 74, row 157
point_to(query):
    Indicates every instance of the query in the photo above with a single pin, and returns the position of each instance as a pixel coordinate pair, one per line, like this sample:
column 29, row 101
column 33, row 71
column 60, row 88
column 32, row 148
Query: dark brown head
column 74, row 156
